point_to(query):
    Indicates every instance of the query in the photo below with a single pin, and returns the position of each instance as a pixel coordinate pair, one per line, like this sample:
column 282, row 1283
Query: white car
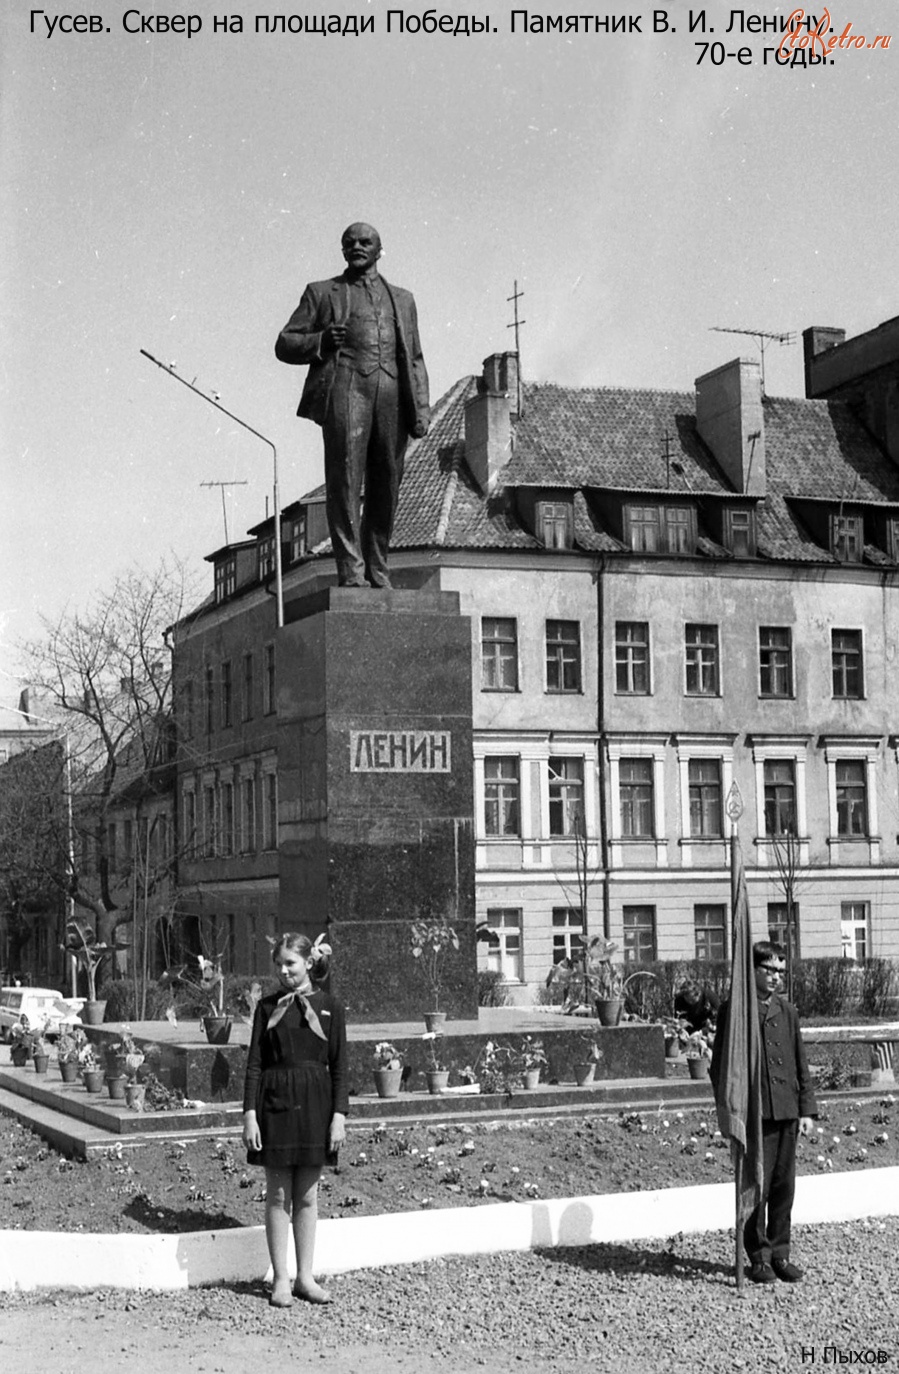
column 42, row 1006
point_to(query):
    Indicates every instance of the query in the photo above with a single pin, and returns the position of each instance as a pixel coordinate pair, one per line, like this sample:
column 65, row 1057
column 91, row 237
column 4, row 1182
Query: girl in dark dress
column 295, row 1104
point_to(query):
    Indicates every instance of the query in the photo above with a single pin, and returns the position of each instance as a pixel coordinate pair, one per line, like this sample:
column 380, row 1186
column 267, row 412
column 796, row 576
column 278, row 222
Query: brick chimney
column 731, row 423
column 488, row 419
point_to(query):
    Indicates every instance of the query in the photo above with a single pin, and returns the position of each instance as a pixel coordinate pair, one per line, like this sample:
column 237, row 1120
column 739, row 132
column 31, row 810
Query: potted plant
column 585, row 1068
column 431, row 943
column 68, row 1047
column 89, row 953
column 217, row 1023
column 21, row 1037
column 532, row 1059
column 40, row 1050
column 676, row 1033
column 91, row 1070
column 387, row 1065
column 437, row 1073
column 699, row 1053
column 591, row 984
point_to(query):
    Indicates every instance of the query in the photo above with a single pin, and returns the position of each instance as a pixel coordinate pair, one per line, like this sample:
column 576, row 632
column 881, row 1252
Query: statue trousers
column 365, row 443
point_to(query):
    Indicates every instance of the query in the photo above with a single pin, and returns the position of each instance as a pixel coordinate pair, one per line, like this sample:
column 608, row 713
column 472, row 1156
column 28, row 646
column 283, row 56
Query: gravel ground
column 652, row 1306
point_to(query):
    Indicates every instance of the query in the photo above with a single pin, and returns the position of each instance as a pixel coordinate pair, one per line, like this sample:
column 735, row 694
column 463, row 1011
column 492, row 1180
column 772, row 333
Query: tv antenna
column 762, row 338
column 224, row 511
column 516, row 324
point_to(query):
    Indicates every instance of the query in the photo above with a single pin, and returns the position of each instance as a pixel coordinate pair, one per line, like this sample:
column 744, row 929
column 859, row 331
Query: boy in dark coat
column 788, row 1106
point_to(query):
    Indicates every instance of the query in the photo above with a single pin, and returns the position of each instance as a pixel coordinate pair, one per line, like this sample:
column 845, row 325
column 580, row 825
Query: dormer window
column 847, row 538
column 661, row 529
column 739, row 532
column 298, row 537
column 225, row 579
column 555, row 524
column 265, row 558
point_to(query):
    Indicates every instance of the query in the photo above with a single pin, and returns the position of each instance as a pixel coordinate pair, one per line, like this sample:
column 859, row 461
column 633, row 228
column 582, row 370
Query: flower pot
column 438, row 1080
column 19, row 1056
column 115, row 1086
column 435, row 1020
column 68, row 1071
column 387, row 1082
column 699, row 1068
column 218, row 1029
column 608, row 1009
column 41, row 1063
column 531, row 1079
column 134, row 1096
column 583, row 1073
column 92, row 1013
column 115, row 1066
column 93, row 1080
column 672, row 1047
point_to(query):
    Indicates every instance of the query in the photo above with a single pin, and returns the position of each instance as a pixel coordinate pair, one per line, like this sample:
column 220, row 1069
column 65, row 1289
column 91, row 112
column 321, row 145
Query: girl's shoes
column 311, row 1292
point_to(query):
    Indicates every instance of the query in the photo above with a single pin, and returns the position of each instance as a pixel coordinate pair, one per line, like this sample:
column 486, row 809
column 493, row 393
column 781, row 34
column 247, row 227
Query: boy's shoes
column 790, row 1273
column 762, row 1272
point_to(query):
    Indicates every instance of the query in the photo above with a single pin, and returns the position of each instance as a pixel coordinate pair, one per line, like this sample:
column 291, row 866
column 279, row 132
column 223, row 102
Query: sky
column 175, row 195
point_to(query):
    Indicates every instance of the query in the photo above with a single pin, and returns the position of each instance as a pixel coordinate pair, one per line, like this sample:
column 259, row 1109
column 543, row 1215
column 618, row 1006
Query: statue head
column 361, row 247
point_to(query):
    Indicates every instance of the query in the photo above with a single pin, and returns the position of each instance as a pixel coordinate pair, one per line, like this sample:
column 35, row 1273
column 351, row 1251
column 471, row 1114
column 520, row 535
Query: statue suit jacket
column 327, row 302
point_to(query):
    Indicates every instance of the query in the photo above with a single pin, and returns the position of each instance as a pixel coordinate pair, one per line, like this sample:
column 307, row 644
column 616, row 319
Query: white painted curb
column 41, row 1259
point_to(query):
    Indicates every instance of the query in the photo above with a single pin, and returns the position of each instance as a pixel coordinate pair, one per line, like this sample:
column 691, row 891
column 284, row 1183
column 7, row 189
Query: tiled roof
column 820, row 449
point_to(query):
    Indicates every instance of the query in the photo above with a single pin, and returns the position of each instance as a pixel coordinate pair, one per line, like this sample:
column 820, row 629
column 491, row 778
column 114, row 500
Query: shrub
column 120, row 996
column 492, row 990
column 826, row 987
column 880, row 981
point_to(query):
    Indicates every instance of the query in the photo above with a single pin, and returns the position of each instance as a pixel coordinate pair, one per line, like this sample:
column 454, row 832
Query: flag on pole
column 736, row 1066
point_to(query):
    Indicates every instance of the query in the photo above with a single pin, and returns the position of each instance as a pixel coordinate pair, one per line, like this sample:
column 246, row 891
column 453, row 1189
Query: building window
column 189, row 821
column 555, row 523
column 854, row 930
column 846, row 656
column 568, row 932
column 852, row 797
column 504, row 942
column 298, row 537
column 566, row 795
column 639, row 934
column 268, row 680
column 702, row 660
column 783, row 930
column 227, row 695
column 248, row 686
column 225, row 579
column 710, row 932
column 265, row 558
column 501, row 788
column 563, row 656
column 499, row 655
column 227, row 829
column 210, row 700
column 739, row 532
column 679, row 529
column 248, row 816
column 209, row 822
column 643, row 528
column 632, row 657
column 780, row 797
column 270, row 811
column 847, row 538
column 635, row 787
column 705, row 798
column 775, row 661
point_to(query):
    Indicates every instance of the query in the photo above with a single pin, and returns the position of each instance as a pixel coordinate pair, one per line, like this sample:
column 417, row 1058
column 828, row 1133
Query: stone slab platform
column 215, row 1073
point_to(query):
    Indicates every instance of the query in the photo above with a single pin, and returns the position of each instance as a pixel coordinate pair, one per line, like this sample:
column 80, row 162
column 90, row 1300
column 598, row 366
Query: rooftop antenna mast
column 213, row 400
column 762, row 338
column 224, row 511
column 516, row 324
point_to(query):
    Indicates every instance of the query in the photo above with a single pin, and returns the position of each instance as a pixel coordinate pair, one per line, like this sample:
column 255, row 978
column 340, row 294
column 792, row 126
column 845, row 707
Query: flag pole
column 734, row 806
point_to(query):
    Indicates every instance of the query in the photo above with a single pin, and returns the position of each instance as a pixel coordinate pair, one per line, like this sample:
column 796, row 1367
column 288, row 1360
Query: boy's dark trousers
column 765, row 1242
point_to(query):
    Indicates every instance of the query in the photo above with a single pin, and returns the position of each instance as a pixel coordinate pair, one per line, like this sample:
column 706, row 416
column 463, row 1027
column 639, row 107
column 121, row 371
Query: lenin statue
column 368, row 389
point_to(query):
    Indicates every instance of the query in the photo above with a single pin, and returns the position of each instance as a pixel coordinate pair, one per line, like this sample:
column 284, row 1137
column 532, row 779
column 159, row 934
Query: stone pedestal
column 376, row 789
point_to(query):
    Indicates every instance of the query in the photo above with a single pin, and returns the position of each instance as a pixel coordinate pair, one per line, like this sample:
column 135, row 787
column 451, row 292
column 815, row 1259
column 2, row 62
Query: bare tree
column 787, row 856
column 104, row 675
column 32, row 845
